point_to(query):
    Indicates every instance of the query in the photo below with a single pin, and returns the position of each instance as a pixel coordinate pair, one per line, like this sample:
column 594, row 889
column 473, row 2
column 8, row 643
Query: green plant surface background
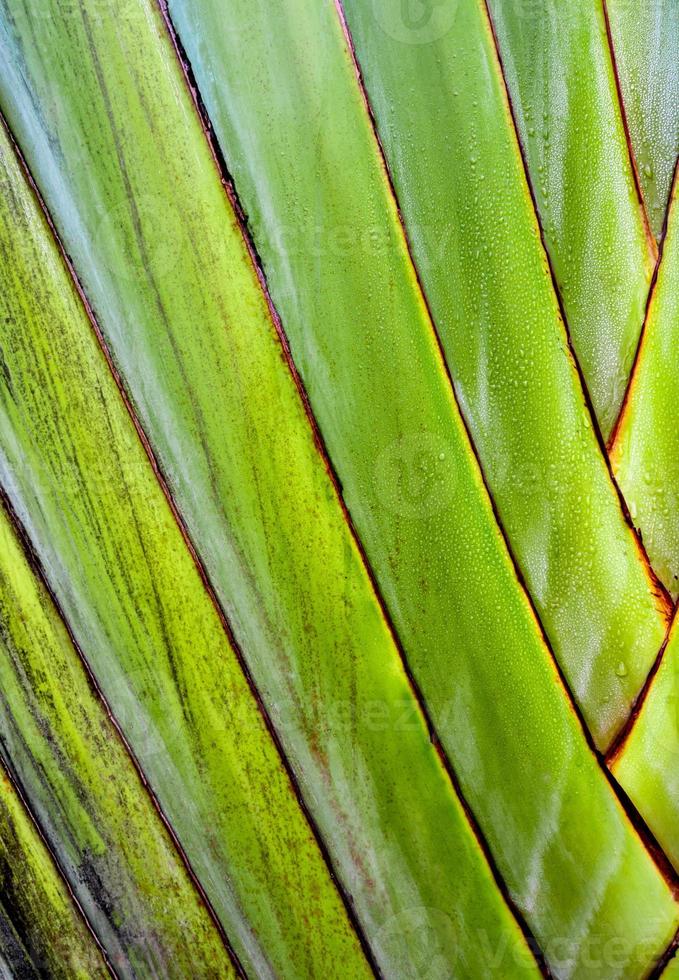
column 645, row 452
column 332, row 640
column 90, row 802
column 561, row 75
column 517, row 384
column 41, row 931
column 646, row 460
column 645, row 40
column 141, row 614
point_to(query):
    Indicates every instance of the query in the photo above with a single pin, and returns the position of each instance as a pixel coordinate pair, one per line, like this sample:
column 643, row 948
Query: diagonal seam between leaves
column 36, row 567
column 14, row 934
column 163, row 483
column 346, row 899
column 8, row 770
column 620, row 740
column 637, row 822
column 618, row 744
column 321, row 447
column 322, row 450
column 658, row 590
column 653, row 245
column 635, row 819
column 649, row 303
column 665, row 959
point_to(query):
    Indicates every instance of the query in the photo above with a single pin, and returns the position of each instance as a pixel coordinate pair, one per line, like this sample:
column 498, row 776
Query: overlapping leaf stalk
column 322, row 533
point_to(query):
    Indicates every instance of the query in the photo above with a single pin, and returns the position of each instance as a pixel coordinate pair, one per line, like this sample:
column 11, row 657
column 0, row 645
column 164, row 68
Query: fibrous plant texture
column 339, row 489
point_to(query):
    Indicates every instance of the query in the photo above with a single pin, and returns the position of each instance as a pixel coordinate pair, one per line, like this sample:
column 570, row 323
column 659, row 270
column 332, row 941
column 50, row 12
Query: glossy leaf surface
column 98, row 101
column 562, row 82
column 645, row 454
column 645, row 40
column 476, row 243
column 89, row 800
column 648, row 765
column 327, row 230
column 41, row 931
column 205, row 366
column 81, row 483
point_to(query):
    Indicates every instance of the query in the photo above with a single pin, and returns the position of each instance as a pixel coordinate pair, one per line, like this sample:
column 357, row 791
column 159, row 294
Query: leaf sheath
column 561, row 78
column 84, row 790
column 476, row 242
column 319, row 207
column 195, row 343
